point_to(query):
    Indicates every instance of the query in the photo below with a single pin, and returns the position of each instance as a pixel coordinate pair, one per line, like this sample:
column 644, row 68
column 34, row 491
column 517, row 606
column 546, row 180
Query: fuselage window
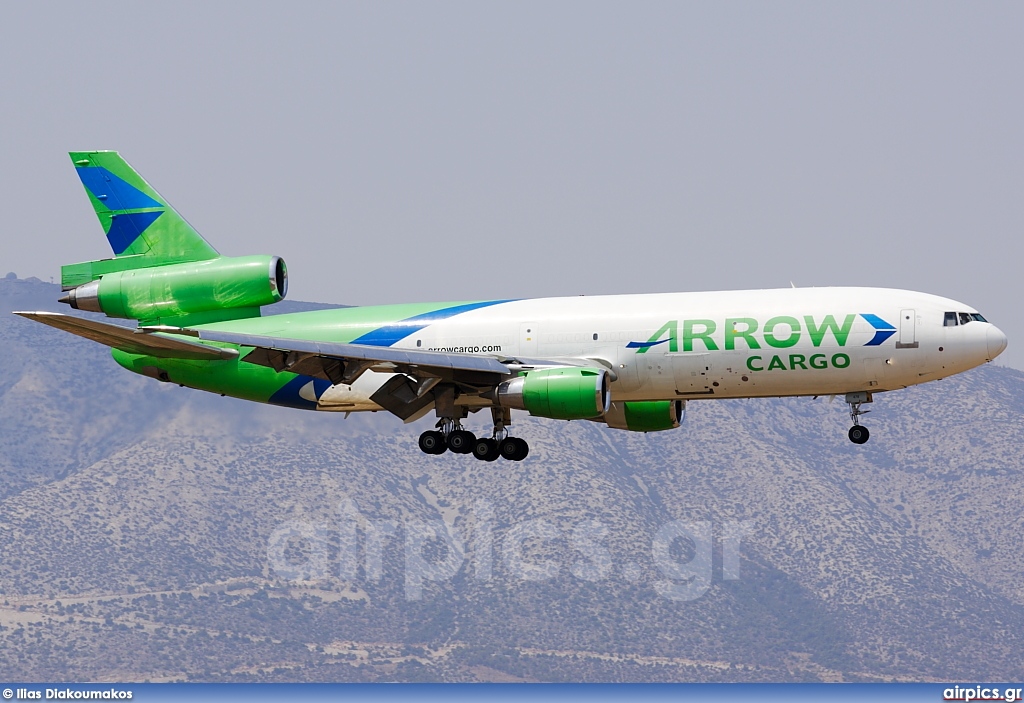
column 965, row 318
column 950, row 320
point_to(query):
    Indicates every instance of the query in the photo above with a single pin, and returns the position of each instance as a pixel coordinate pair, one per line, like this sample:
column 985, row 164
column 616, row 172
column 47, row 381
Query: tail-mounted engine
column 174, row 290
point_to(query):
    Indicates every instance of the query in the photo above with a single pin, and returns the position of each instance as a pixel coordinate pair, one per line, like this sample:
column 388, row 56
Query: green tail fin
column 143, row 230
column 136, row 220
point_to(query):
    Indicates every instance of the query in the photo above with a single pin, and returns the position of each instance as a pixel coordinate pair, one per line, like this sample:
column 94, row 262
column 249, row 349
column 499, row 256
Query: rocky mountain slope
column 138, row 524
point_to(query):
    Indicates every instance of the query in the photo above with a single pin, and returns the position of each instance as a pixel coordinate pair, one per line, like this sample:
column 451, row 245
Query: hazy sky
column 451, row 151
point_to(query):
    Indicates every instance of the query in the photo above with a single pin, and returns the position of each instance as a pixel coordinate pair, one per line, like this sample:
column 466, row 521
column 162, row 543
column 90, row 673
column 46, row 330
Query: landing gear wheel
column 859, row 434
column 524, row 449
column 514, row 449
column 461, row 441
column 486, row 449
column 432, row 442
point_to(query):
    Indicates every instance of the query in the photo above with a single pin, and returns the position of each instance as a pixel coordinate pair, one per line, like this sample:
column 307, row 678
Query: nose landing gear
column 858, row 433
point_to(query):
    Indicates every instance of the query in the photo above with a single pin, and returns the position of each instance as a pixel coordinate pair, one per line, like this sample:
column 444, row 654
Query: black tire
column 486, row 449
column 461, row 441
column 432, row 442
column 508, row 448
column 859, row 434
column 524, row 449
column 514, row 449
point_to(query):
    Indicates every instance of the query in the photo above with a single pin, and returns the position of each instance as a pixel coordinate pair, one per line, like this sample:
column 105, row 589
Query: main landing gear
column 450, row 436
column 858, row 433
column 511, row 448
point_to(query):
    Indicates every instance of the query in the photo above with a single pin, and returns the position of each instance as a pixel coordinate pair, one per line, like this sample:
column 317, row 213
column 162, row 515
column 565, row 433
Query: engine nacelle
column 183, row 289
column 646, row 416
column 568, row 393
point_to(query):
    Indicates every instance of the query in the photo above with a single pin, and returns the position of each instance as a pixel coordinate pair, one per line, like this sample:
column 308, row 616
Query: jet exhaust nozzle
column 84, row 297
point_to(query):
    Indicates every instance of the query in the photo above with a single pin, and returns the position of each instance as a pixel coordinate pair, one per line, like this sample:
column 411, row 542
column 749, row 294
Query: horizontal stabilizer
column 130, row 340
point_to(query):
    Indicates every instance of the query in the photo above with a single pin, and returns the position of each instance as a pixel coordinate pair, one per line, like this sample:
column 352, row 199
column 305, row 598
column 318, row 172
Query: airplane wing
column 406, row 394
column 344, row 363
column 129, row 340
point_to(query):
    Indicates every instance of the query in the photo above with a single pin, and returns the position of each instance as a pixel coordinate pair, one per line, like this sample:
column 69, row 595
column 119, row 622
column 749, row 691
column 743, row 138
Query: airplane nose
column 996, row 342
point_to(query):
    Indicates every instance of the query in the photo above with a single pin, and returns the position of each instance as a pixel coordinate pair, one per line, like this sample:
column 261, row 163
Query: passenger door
column 908, row 331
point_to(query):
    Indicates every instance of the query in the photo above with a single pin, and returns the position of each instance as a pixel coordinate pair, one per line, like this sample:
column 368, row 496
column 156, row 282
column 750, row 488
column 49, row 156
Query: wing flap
column 131, row 341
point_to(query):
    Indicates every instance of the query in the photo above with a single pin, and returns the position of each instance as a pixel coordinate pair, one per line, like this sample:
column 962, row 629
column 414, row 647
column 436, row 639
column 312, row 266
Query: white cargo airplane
column 628, row 361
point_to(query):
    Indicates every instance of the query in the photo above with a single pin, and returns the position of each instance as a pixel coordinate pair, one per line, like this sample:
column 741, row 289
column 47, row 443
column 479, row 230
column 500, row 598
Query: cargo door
column 690, row 372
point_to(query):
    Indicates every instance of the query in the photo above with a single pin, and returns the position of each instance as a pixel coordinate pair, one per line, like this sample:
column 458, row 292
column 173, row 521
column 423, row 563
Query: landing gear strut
column 858, row 433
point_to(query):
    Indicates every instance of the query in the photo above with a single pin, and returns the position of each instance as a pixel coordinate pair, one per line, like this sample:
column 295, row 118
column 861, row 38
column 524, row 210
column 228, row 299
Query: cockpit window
column 952, row 319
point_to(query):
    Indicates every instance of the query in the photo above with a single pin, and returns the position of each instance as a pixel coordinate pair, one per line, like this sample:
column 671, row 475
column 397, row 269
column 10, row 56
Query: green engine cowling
column 569, row 393
column 645, row 416
column 176, row 290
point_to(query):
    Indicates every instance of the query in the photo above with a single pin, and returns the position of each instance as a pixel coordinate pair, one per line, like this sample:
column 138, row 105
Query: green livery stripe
column 246, row 381
column 342, row 325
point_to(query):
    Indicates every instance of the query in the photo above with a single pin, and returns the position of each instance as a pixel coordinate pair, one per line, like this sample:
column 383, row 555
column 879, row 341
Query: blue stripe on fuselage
column 646, row 345
column 288, row 394
column 883, row 329
column 389, row 334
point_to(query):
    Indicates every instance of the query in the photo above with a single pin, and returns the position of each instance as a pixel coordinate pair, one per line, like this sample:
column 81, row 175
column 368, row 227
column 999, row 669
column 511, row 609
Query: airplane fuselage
column 725, row 344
